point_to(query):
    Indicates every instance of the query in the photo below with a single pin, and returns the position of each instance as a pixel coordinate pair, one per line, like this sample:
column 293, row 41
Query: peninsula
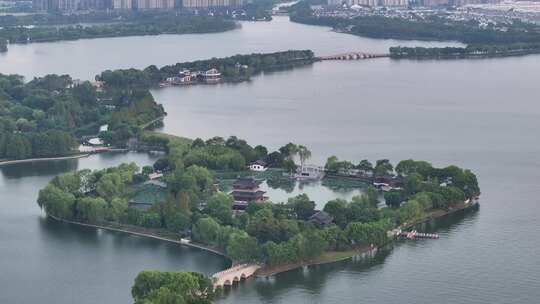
column 177, row 199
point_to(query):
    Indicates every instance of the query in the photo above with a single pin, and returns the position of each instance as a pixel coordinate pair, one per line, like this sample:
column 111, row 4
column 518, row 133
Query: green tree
column 151, row 220
column 310, row 244
column 206, row 230
column 412, row 183
column 220, row 207
column 117, row 209
column 91, row 209
column 335, row 238
column 171, row 288
column 289, row 165
column 110, row 185
column 243, row 248
column 332, row 164
column 365, row 167
column 304, row 154
column 264, row 226
column 383, row 167
column 261, row 152
column 302, row 206
column 147, row 170
column 337, row 208
column 393, row 198
column 57, row 202
column 409, row 166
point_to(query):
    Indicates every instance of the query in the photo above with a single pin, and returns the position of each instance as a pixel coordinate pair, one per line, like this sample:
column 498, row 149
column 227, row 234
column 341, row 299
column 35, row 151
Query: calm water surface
column 86, row 58
column 43, row 261
column 479, row 114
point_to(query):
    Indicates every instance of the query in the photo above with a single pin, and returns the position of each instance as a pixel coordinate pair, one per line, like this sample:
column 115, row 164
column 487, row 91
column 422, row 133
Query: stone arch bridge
column 353, row 56
column 234, row 274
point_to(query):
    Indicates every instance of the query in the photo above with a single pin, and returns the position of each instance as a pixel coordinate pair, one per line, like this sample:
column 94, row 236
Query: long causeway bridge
column 353, row 56
column 234, row 274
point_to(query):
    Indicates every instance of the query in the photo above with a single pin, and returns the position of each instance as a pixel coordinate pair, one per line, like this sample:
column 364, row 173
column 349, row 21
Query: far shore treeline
column 125, row 24
column 47, row 116
column 517, row 38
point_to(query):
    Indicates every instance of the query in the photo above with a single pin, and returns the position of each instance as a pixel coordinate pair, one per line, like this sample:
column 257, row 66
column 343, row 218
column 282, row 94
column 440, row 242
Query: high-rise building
column 45, row 5
column 211, row 3
column 364, row 2
column 373, row 3
column 153, row 4
column 435, row 3
column 122, row 4
column 394, row 3
column 70, row 5
column 335, row 2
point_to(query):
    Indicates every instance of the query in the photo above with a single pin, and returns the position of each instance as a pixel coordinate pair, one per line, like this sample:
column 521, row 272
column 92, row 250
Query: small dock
column 413, row 235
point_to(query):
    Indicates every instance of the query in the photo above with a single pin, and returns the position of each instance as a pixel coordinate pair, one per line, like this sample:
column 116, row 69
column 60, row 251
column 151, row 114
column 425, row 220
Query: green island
column 48, row 116
column 131, row 25
column 177, row 199
column 229, row 69
column 509, row 39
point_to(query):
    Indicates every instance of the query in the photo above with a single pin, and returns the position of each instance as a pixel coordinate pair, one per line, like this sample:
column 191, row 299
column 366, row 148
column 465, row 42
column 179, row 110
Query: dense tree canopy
column 172, row 288
column 44, row 117
column 41, row 117
column 233, row 68
column 136, row 25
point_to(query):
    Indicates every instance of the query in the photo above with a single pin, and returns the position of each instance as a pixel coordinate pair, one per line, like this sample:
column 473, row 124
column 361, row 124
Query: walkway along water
column 29, row 160
column 144, row 233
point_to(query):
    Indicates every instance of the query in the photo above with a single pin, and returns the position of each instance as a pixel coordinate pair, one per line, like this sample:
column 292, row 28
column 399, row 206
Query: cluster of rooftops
column 245, row 190
column 190, row 77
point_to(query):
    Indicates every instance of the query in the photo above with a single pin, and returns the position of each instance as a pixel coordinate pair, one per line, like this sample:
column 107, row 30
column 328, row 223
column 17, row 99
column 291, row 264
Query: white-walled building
column 258, row 166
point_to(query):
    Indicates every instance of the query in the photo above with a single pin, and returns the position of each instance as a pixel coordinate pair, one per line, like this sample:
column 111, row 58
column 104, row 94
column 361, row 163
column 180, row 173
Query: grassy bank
column 325, row 258
column 439, row 213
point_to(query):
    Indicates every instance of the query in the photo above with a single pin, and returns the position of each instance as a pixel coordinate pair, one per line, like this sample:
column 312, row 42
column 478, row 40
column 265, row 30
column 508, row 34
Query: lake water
column 86, row 58
column 479, row 114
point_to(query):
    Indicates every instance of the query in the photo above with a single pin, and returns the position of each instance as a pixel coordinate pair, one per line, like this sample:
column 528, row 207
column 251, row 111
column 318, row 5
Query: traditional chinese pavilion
column 246, row 190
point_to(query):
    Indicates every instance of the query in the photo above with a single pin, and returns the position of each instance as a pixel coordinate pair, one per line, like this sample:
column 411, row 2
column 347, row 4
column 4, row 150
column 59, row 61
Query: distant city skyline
column 76, row 5
column 405, row 3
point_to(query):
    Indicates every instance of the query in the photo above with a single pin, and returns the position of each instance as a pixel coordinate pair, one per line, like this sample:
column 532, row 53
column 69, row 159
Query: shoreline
column 129, row 230
column 338, row 256
column 328, row 257
column 439, row 213
column 29, row 160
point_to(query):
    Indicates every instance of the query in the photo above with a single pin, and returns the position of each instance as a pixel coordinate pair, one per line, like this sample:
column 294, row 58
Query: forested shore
column 47, row 116
column 232, row 69
column 140, row 25
column 512, row 39
column 484, row 51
